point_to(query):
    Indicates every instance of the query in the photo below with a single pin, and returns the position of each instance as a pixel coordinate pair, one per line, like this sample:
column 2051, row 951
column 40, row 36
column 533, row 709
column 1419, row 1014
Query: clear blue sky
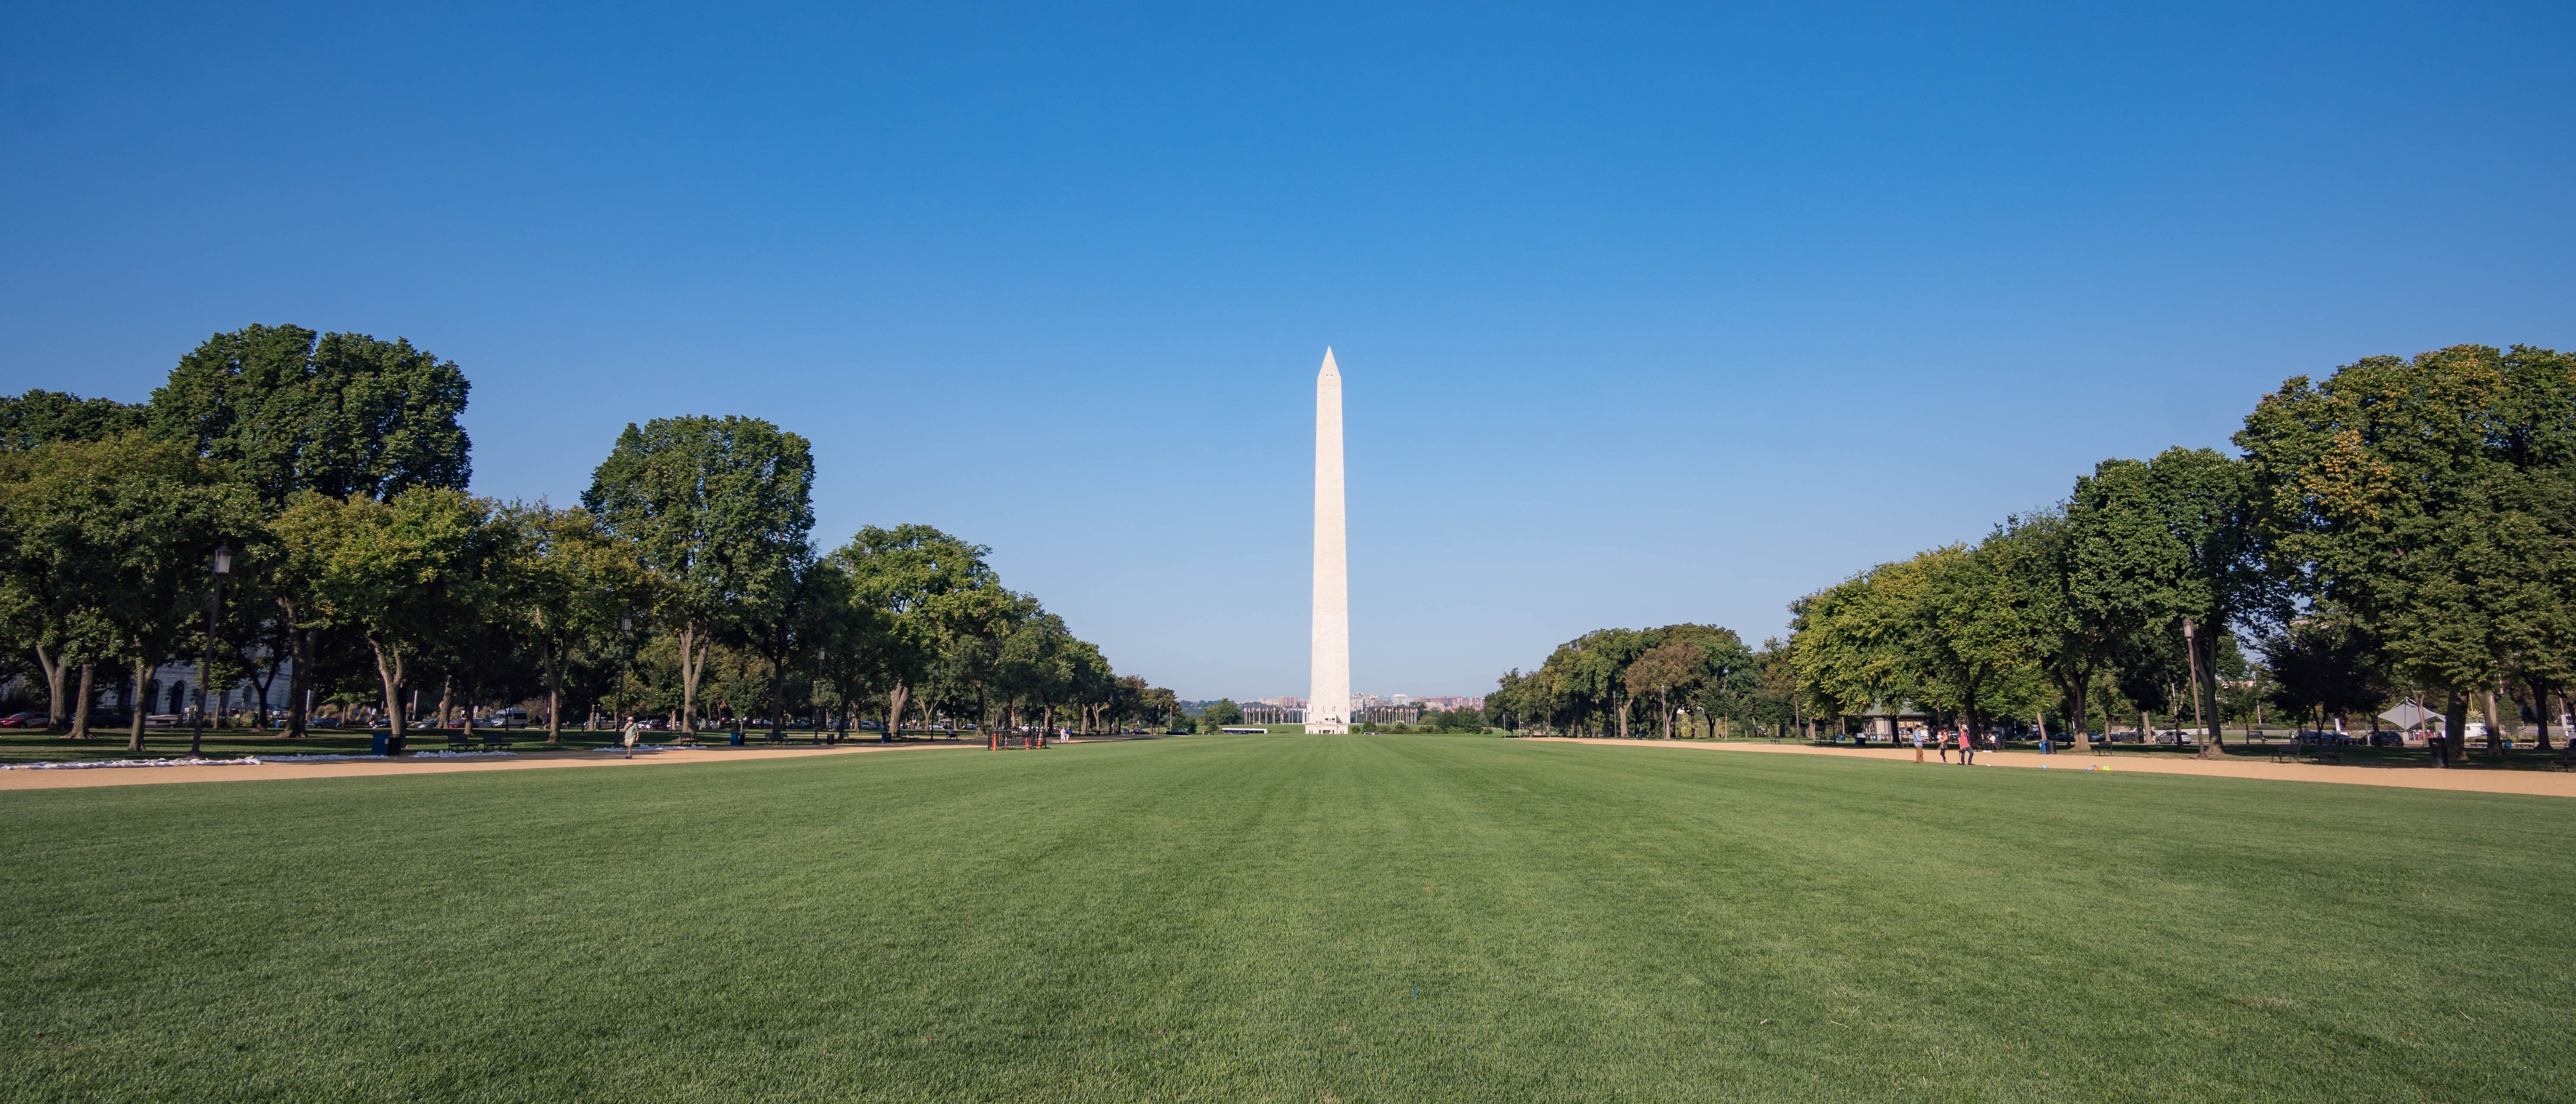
column 1645, row 317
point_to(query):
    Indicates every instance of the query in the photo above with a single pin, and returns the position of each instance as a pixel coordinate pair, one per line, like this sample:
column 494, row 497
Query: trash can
column 376, row 742
column 737, row 738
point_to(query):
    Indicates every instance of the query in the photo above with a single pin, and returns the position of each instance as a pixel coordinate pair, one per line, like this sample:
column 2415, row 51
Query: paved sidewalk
column 539, row 760
column 2474, row 779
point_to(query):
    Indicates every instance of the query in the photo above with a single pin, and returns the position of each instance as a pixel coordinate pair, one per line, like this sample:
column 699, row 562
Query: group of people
column 1941, row 743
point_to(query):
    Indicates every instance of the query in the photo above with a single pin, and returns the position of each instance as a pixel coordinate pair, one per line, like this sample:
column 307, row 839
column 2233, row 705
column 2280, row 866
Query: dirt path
column 2540, row 783
column 143, row 776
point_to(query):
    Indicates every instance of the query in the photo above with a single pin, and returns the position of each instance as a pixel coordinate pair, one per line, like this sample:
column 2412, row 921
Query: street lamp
column 206, row 658
column 2191, row 652
column 625, row 633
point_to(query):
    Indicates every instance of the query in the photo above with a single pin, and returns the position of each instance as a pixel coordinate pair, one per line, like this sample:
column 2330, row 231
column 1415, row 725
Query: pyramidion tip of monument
column 1329, row 369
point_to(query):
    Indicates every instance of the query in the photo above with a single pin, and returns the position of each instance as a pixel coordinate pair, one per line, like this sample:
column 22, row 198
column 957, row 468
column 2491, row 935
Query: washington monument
column 1328, row 696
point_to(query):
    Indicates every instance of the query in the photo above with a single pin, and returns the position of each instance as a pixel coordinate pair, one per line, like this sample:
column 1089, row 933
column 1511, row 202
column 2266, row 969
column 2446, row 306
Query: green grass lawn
column 1288, row 918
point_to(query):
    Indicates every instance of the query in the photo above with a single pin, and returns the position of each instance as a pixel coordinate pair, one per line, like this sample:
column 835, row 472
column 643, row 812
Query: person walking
column 1918, row 745
column 628, row 736
column 1967, row 751
column 1939, row 743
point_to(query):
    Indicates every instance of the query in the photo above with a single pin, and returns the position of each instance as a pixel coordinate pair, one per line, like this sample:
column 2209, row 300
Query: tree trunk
column 389, row 671
column 54, row 670
column 2540, row 710
column 2455, row 728
column 554, row 693
column 693, row 661
column 777, row 699
column 984, row 720
column 299, row 682
column 134, row 736
column 896, row 697
column 80, row 705
column 446, row 699
column 2083, row 697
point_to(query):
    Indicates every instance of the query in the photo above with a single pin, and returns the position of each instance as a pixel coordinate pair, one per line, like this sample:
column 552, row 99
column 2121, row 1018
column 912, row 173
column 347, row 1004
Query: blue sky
column 1645, row 316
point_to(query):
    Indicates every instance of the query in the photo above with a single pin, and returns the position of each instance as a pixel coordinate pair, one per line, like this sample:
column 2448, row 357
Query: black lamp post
column 626, row 633
column 206, row 658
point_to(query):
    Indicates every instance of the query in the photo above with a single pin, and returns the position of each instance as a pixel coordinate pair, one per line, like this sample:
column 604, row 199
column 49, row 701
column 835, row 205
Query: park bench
column 492, row 738
column 459, row 740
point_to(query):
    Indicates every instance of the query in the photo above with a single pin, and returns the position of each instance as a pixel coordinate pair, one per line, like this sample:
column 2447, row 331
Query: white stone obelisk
column 1328, row 696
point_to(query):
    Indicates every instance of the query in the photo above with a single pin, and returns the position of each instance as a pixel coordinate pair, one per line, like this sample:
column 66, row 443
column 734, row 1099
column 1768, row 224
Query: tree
column 1221, row 714
column 1674, row 666
column 2166, row 539
column 918, row 580
column 571, row 582
column 26, row 422
column 113, row 540
column 409, row 574
column 339, row 414
column 718, row 510
column 1851, row 643
column 41, row 417
column 799, row 614
column 2383, row 488
column 2325, row 665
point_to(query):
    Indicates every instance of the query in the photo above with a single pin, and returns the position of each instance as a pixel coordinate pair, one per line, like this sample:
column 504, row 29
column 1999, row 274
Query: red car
column 24, row 720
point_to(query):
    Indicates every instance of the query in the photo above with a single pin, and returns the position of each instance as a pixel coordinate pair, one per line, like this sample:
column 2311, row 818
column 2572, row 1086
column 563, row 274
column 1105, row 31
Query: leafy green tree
column 2166, row 539
column 2071, row 634
column 1852, row 645
column 409, row 574
column 41, row 417
column 1223, row 713
column 1160, row 705
column 337, row 414
column 719, row 510
column 1673, row 667
column 570, row 583
column 115, row 538
column 2413, row 496
column 1519, row 702
column 27, row 421
column 296, row 412
column 921, row 583
column 809, row 615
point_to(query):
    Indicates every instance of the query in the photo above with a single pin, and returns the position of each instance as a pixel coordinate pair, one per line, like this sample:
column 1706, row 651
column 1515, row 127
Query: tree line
column 333, row 469
column 2404, row 529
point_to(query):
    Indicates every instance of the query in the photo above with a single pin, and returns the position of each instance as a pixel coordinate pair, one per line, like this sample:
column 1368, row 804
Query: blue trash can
column 376, row 742
column 737, row 737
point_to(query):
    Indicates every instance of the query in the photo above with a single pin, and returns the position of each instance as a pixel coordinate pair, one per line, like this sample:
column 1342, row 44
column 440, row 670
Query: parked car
column 24, row 720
